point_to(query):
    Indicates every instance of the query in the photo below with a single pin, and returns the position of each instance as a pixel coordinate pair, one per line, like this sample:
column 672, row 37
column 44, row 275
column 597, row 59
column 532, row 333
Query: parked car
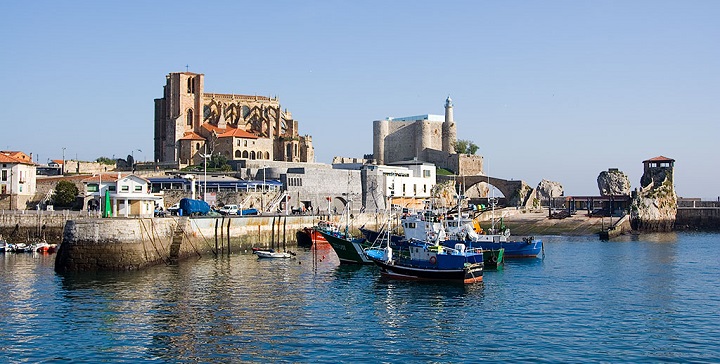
column 229, row 210
column 173, row 210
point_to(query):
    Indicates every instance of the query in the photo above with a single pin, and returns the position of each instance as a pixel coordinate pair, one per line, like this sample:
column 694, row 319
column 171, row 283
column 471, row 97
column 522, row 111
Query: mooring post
column 228, row 237
column 216, row 240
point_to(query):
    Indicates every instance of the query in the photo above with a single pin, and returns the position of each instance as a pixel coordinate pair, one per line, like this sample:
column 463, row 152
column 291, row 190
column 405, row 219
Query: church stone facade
column 190, row 122
column 429, row 138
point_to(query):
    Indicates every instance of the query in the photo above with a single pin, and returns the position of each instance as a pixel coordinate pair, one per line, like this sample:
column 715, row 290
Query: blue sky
column 560, row 90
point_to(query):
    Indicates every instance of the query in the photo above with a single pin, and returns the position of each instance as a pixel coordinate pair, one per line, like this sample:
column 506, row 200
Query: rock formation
column 613, row 182
column 446, row 196
column 546, row 189
column 654, row 205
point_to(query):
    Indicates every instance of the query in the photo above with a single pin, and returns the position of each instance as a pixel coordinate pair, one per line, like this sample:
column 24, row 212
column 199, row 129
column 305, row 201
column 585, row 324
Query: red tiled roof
column 660, row 159
column 237, row 133
column 229, row 132
column 211, row 127
column 58, row 161
column 15, row 157
column 111, row 177
column 191, row 136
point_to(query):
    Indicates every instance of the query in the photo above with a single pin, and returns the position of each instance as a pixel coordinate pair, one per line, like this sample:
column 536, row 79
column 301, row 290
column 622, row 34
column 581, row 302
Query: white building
column 407, row 184
column 17, row 180
column 129, row 195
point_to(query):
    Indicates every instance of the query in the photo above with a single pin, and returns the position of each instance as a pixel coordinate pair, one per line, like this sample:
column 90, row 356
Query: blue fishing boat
column 425, row 261
column 469, row 232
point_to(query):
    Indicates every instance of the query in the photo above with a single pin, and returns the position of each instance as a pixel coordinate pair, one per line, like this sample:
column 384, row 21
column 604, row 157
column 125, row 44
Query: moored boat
column 270, row 253
column 350, row 250
column 429, row 262
column 306, row 236
column 468, row 231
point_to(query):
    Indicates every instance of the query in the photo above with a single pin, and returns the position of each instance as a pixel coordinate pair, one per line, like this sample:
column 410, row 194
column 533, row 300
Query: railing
column 275, row 202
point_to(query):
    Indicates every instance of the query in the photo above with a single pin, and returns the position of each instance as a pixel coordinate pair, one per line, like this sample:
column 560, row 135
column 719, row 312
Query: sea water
column 647, row 298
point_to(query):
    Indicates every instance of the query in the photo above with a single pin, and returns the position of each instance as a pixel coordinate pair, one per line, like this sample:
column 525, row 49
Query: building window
column 197, row 146
column 426, row 173
column 111, row 188
column 245, row 154
column 189, row 117
column 245, row 142
column 125, row 188
column 138, row 188
column 92, row 187
column 4, row 175
column 190, row 86
column 238, row 154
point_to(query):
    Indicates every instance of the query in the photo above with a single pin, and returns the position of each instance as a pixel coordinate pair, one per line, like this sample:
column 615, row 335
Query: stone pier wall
column 130, row 244
column 698, row 218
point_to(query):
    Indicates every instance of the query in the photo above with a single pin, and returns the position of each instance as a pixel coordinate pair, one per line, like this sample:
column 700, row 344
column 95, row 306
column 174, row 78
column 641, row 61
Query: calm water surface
column 652, row 298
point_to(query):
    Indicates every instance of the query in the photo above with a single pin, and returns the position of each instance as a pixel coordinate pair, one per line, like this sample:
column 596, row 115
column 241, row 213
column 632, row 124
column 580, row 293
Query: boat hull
column 267, row 254
column 308, row 236
column 471, row 273
column 348, row 251
column 513, row 249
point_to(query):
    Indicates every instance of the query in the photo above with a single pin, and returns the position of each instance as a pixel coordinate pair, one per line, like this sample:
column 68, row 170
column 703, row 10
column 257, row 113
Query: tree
column 65, row 194
column 219, row 162
column 465, row 147
column 105, row 160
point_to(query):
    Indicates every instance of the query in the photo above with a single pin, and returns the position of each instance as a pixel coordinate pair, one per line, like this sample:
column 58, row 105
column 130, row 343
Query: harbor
column 633, row 299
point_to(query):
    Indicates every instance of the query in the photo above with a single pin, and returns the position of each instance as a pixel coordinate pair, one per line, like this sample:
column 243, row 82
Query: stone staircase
column 177, row 239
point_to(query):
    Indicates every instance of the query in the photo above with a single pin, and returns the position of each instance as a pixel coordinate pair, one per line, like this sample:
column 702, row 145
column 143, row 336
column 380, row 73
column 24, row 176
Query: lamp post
column 262, row 196
column 132, row 154
column 205, row 158
column 62, row 170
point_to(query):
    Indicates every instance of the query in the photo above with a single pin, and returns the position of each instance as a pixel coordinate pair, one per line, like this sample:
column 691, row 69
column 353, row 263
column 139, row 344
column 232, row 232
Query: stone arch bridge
column 516, row 192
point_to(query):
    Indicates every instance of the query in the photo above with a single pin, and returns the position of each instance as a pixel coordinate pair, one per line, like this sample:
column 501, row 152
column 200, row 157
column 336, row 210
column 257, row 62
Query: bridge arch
column 516, row 192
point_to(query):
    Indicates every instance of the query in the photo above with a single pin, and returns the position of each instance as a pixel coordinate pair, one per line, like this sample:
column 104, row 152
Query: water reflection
column 586, row 301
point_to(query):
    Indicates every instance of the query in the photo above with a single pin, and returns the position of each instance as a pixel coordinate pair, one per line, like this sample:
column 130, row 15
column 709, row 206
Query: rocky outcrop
column 613, row 182
column 546, row 189
column 654, row 205
column 445, row 193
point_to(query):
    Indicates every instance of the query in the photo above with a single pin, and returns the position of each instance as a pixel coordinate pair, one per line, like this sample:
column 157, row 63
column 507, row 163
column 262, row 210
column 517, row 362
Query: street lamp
column 262, row 196
column 63, row 165
column 132, row 154
column 205, row 158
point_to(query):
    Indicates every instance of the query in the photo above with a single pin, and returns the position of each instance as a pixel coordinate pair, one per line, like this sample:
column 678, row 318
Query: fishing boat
column 469, row 232
column 436, row 227
column 307, row 236
column 429, row 262
column 270, row 253
column 350, row 250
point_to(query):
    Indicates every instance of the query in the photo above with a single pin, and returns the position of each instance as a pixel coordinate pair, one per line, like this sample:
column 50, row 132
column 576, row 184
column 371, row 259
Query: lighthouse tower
column 449, row 132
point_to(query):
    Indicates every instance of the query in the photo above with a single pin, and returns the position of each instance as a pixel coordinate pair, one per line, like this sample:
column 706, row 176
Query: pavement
column 526, row 222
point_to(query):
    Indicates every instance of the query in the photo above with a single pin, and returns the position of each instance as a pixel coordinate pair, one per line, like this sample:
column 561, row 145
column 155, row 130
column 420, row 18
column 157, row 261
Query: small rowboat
column 269, row 253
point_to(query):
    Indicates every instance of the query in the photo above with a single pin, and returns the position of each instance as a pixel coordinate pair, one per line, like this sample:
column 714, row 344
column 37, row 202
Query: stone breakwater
column 131, row 244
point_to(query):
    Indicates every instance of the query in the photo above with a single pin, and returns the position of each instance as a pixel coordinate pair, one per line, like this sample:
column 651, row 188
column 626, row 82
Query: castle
column 429, row 138
column 190, row 123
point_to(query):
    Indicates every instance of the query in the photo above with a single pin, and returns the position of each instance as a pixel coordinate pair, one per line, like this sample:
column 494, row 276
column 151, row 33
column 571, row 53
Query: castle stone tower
column 449, row 131
column 380, row 132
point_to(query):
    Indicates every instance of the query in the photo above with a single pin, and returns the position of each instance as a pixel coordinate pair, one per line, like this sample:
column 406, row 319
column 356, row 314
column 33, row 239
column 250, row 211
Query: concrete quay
column 527, row 222
column 120, row 244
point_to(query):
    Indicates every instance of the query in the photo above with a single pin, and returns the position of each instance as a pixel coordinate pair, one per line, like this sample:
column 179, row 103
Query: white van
column 229, row 210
